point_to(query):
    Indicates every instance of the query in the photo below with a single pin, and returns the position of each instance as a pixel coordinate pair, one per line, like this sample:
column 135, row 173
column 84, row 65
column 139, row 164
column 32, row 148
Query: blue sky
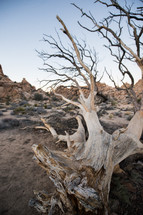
column 22, row 24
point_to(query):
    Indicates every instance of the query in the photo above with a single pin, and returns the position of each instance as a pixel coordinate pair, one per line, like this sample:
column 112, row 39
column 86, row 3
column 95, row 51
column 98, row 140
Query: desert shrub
column 113, row 102
column 55, row 98
column 45, row 106
column 8, row 100
column 69, row 108
column 27, row 105
column 38, row 97
column 111, row 116
column 9, row 123
column 24, row 103
column 19, row 110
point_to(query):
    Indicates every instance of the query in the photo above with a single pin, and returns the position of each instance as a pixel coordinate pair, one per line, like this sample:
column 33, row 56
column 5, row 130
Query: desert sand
column 20, row 175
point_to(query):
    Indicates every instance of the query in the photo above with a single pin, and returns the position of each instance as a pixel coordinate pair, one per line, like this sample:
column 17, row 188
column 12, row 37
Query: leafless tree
column 82, row 174
column 70, row 72
column 121, row 23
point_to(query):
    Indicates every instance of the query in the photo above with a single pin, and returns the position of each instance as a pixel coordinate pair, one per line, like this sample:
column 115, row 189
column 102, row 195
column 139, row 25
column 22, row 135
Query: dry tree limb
column 82, row 174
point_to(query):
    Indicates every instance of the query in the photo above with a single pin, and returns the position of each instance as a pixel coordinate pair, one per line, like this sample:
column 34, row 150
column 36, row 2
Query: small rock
column 4, row 110
column 1, row 113
column 119, row 114
column 41, row 110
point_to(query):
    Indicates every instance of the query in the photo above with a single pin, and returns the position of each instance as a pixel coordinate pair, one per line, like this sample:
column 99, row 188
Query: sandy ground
column 19, row 174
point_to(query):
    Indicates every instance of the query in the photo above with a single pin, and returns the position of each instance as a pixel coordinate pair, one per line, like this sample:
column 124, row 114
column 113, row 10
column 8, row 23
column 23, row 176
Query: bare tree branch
column 123, row 18
column 80, row 61
column 82, row 174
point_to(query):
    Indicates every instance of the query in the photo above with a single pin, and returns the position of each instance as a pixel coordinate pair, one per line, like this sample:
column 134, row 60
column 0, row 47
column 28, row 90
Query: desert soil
column 20, row 175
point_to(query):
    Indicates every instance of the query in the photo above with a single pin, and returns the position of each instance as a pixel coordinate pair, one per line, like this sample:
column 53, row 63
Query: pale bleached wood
column 82, row 174
column 85, row 170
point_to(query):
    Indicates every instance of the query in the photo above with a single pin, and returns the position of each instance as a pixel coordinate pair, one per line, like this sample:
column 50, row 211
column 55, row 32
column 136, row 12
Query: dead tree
column 70, row 72
column 122, row 20
column 82, row 174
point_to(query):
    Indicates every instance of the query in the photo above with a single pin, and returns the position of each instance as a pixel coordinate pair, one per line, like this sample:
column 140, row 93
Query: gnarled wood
column 82, row 174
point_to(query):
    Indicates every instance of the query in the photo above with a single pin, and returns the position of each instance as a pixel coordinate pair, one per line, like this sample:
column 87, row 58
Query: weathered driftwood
column 82, row 174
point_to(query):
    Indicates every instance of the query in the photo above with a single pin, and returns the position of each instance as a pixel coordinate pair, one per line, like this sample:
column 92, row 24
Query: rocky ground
column 20, row 175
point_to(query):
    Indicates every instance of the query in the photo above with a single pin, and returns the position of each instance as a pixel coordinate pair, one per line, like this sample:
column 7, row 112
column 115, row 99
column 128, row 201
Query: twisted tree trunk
column 82, row 174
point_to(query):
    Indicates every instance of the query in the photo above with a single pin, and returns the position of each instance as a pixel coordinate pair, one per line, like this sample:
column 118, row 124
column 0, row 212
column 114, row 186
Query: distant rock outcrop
column 73, row 93
column 12, row 91
column 1, row 71
column 139, row 87
column 104, row 91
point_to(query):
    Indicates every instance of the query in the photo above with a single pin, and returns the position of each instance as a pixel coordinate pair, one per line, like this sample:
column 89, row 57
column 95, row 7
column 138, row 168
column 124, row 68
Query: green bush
column 55, row 98
column 26, row 105
column 38, row 97
column 19, row 110
column 45, row 106
column 111, row 116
